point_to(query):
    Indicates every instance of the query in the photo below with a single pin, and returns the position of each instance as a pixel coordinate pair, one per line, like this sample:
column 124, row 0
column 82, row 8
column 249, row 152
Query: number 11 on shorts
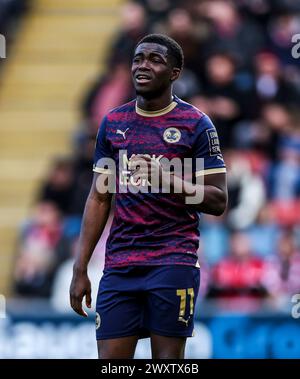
column 182, row 308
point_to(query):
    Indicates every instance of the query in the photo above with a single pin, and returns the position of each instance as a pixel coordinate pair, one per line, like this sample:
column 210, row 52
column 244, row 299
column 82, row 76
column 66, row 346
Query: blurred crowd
column 239, row 69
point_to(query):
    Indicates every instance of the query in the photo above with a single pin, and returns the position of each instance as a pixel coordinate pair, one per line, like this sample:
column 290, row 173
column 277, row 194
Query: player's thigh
column 119, row 308
column 171, row 301
column 117, row 348
column 163, row 347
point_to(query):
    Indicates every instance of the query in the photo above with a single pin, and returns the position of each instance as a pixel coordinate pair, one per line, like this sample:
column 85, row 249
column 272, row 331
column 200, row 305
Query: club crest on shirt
column 98, row 320
column 172, row 135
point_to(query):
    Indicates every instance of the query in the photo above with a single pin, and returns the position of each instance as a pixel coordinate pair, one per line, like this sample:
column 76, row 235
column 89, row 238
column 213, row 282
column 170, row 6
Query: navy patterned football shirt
column 155, row 228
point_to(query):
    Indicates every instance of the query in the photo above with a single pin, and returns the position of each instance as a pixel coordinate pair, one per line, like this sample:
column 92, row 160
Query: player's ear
column 175, row 74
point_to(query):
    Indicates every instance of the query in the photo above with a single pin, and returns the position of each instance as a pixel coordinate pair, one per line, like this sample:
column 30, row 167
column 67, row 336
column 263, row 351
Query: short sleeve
column 207, row 146
column 103, row 153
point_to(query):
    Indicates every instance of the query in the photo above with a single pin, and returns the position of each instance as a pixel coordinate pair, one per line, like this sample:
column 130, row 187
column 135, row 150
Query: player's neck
column 155, row 104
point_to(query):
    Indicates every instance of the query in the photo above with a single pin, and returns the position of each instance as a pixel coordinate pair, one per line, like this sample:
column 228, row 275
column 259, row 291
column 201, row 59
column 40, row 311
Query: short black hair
column 174, row 49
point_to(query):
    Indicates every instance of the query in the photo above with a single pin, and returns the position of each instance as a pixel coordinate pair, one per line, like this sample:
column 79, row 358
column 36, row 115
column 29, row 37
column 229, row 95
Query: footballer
column 151, row 276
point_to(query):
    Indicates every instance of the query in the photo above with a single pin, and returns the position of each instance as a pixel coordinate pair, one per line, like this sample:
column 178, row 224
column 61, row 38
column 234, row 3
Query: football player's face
column 152, row 72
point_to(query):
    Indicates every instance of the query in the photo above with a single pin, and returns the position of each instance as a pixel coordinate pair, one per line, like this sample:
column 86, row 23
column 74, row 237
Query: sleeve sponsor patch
column 214, row 143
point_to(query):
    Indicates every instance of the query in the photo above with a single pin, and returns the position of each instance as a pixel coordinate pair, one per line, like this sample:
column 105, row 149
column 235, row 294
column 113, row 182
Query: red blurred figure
column 237, row 281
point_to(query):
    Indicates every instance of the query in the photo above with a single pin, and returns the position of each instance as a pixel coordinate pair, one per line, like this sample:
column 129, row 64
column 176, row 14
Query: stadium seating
column 59, row 50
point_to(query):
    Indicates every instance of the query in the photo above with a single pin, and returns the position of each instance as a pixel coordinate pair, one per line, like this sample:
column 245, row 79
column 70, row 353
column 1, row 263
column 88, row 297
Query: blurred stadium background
column 67, row 64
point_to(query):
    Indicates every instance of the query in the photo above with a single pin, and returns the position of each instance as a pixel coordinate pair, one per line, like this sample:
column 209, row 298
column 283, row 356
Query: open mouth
column 141, row 79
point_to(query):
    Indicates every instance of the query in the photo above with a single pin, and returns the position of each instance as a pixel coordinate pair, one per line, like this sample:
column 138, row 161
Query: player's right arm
column 95, row 216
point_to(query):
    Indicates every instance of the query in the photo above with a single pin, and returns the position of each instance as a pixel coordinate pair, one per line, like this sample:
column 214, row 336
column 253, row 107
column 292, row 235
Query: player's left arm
column 207, row 193
column 215, row 194
column 210, row 185
column 212, row 193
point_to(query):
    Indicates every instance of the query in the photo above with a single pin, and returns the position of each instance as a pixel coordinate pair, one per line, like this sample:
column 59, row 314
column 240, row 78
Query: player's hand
column 80, row 287
column 146, row 169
